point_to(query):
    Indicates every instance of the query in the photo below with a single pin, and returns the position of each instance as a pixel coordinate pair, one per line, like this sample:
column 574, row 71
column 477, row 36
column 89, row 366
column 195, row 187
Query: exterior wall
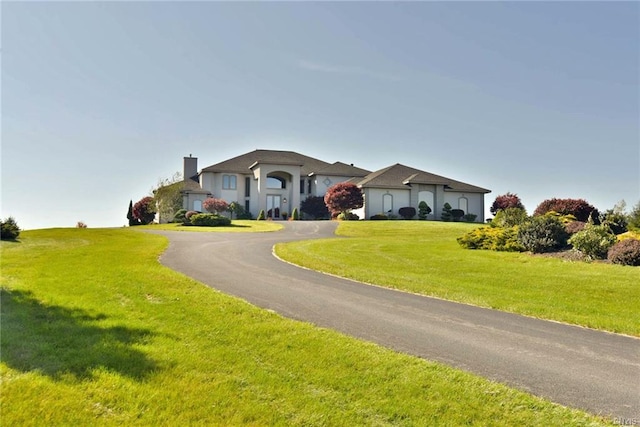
column 475, row 203
column 291, row 193
column 321, row 183
column 374, row 200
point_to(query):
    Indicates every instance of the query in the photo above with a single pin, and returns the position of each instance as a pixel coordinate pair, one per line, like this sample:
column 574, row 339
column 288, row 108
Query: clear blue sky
column 100, row 100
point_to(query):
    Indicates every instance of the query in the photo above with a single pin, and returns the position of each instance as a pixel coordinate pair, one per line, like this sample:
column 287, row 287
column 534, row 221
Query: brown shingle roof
column 242, row 163
column 342, row 169
column 399, row 176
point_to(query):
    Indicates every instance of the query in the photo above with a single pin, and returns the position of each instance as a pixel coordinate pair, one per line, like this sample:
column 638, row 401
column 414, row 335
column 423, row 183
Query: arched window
column 387, row 203
column 276, row 182
column 463, row 203
column 427, row 197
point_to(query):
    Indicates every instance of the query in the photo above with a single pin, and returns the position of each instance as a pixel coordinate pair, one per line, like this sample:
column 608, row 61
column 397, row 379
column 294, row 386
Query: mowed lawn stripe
column 96, row 332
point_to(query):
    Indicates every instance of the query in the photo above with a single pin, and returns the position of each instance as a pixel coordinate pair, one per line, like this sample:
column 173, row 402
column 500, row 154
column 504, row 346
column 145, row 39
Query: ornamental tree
column 144, row 210
column 215, row 206
column 508, row 200
column 576, row 207
column 343, row 197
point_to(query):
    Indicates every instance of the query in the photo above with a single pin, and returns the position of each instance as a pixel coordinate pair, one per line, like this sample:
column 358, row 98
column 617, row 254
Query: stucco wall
column 374, row 200
column 475, row 203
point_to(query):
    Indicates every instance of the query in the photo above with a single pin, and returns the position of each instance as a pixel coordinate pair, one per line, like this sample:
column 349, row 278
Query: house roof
column 342, row 169
column 242, row 163
column 189, row 185
column 399, row 176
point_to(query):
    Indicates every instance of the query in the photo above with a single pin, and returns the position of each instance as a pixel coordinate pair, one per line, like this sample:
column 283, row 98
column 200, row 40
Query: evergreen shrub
column 625, row 252
column 594, row 241
column 542, row 234
column 407, row 212
column 209, row 220
column 9, row 229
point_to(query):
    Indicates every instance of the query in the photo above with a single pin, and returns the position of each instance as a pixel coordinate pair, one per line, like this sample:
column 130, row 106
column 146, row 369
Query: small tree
column 423, row 210
column 215, row 206
column 446, row 212
column 505, row 201
column 168, row 197
column 9, row 229
column 144, row 210
column 132, row 220
column 261, row 215
column 341, row 198
column 633, row 219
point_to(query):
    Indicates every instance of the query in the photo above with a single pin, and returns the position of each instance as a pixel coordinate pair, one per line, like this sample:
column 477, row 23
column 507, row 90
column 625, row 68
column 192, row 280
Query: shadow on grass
column 66, row 343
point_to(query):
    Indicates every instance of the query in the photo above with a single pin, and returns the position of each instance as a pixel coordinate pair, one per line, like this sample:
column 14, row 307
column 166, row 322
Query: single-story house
column 277, row 182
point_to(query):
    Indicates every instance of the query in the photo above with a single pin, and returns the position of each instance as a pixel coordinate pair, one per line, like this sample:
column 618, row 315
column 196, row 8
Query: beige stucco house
column 277, row 182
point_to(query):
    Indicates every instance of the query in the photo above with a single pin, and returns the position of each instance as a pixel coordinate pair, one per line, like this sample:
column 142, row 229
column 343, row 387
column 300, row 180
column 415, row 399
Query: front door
column 273, row 206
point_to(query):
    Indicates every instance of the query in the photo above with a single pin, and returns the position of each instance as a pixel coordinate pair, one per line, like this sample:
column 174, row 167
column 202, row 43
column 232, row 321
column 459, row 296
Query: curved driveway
column 582, row 368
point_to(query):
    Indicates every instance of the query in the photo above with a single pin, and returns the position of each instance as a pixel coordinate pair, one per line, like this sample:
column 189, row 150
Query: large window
column 247, row 186
column 229, row 182
column 276, row 182
column 387, row 203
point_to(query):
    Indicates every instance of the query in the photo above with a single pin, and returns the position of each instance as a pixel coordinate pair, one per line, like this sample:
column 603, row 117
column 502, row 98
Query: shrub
column 215, row 206
column 295, row 215
column 576, row 207
column 470, row 217
column 542, row 234
column 457, row 214
column 9, row 229
column 506, row 201
column 132, row 220
column 144, row 210
column 625, row 252
column 261, row 215
column 379, row 216
column 179, row 216
column 347, row 216
column 407, row 212
column 509, row 217
column 594, row 241
column 81, row 224
column 343, row 197
column 574, row 226
column 491, row 238
column 423, row 210
column 239, row 211
column 209, row 220
column 314, row 207
column 189, row 214
column 616, row 221
column 446, row 212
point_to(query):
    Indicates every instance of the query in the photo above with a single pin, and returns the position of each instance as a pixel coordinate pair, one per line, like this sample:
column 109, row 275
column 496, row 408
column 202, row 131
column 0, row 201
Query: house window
column 302, row 182
column 247, row 186
column 387, row 203
column 228, row 182
column 463, row 204
column 197, row 205
column 246, row 206
column 276, row 182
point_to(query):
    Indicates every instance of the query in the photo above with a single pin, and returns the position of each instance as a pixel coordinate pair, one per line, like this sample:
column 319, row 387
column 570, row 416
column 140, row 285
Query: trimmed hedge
column 209, row 220
column 407, row 212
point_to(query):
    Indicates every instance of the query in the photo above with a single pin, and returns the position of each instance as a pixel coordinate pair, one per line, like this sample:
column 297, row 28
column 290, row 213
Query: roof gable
column 342, row 169
column 400, row 176
column 242, row 163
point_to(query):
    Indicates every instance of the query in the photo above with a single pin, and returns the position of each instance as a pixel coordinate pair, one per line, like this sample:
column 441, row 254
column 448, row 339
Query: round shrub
column 348, row 216
column 145, row 210
column 625, row 252
column 509, row 217
column 209, row 220
column 9, row 229
column 407, row 212
column 506, row 201
column 594, row 241
column 457, row 214
column 470, row 217
column 542, row 234
column 179, row 216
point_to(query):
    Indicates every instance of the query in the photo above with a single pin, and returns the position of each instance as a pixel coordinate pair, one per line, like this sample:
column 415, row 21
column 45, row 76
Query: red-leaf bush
column 625, row 252
column 505, row 201
column 342, row 197
column 145, row 210
column 576, row 207
column 214, row 205
column 574, row 226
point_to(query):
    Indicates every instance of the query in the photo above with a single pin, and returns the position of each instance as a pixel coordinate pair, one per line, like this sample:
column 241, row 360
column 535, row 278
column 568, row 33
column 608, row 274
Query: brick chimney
column 190, row 169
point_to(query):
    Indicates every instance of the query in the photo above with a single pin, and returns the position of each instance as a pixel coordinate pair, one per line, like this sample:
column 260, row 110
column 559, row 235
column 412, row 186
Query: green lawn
column 237, row 226
column 424, row 257
column 96, row 332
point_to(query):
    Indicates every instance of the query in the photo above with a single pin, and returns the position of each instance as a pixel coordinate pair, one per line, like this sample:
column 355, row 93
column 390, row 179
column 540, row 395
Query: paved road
column 595, row 371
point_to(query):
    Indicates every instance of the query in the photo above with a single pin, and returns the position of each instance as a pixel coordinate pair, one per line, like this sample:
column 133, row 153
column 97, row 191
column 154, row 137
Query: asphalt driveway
column 582, row 368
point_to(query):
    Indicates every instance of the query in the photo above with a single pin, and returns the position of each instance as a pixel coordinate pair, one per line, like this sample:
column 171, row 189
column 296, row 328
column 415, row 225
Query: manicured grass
column 424, row 257
column 237, row 226
column 96, row 332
